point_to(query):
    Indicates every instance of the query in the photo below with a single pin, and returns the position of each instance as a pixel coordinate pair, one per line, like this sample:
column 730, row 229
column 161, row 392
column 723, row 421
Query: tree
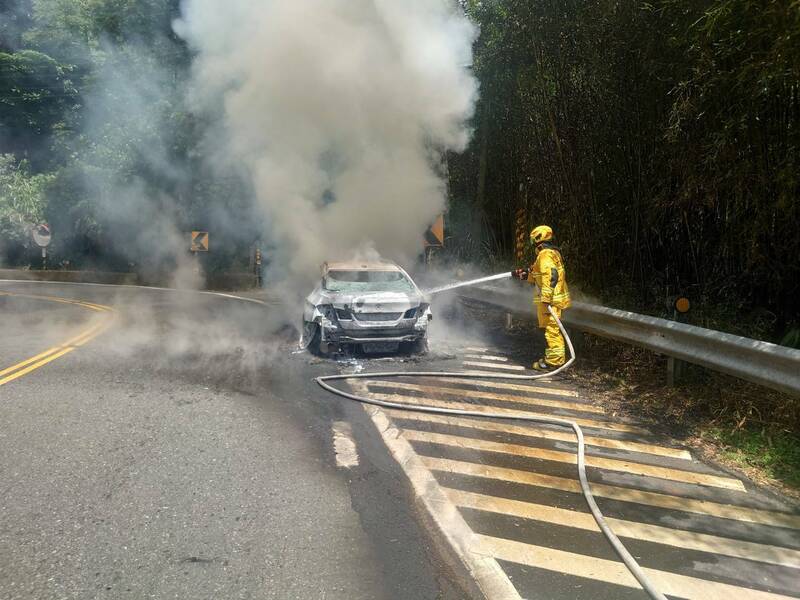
column 22, row 205
column 660, row 140
column 36, row 97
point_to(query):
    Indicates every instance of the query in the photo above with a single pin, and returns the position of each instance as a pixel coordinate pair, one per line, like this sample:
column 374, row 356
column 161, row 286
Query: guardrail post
column 670, row 371
column 578, row 340
column 676, row 368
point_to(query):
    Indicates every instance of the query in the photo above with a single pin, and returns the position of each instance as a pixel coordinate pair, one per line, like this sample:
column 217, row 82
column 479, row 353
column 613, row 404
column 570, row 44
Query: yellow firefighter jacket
column 547, row 272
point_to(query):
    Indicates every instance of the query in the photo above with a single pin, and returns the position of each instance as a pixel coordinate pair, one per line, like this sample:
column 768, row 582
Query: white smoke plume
column 338, row 112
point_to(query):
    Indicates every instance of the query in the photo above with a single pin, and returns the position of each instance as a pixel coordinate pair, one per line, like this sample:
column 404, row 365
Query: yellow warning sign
column 199, row 241
column 435, row 234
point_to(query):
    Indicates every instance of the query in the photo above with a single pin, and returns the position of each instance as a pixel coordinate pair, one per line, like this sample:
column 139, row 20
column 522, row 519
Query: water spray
column 460, row 284
column 619, row 548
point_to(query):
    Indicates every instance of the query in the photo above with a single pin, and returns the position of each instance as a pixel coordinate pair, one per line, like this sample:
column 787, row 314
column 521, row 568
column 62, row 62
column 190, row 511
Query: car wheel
column 314, row 337
column 418, row 346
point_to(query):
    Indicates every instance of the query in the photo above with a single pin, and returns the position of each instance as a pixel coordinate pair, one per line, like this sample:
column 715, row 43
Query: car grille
column 373, row 317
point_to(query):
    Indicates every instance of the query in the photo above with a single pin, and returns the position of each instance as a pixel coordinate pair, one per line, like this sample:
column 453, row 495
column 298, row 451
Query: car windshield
column 367, row 281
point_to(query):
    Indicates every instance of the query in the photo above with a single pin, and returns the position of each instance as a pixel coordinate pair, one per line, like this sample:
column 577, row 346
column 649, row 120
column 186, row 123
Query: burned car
column 375, row 306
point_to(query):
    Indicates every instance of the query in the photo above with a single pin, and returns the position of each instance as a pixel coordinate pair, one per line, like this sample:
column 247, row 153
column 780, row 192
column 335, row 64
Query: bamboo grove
column 659, row 139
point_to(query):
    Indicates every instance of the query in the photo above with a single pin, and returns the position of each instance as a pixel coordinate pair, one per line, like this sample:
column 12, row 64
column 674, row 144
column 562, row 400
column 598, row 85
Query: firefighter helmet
column 540, row 234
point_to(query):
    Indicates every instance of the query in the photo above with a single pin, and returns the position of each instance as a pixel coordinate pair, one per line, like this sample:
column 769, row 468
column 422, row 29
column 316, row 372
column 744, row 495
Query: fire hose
column 619, row 548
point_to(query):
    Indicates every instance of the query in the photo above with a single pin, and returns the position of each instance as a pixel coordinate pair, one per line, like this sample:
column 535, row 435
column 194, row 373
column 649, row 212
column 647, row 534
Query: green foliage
column 775, row 453
column 21, row 194
column 660, row 140
column 792, row 338
column 22, row 205
column 93, row 94
column 35, row 96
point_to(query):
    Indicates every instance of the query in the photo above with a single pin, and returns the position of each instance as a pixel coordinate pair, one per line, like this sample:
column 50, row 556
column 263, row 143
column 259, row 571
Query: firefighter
column 547, row 272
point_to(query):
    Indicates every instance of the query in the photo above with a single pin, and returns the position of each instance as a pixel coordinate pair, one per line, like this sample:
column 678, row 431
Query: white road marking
column 569, row 457
column 480, row 408
column 483, row 569
column 678, row 538
column 541, row 432
column 462, row 393
column 600, row 490
column 469, row 363
column 517, row 387
column 610, row 571
column 479, row 372
column 137, row 287
column 486, row 357
column 344, row 445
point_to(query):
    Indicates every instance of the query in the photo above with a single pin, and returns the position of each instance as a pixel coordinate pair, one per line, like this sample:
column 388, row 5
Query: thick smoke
column 338, row 112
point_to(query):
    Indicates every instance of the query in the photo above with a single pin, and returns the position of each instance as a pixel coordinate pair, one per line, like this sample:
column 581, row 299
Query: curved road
column 183, row 453
column 163, row 444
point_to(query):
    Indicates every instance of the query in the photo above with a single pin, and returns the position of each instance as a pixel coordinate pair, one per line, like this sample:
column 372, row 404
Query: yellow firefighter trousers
column 555, row 354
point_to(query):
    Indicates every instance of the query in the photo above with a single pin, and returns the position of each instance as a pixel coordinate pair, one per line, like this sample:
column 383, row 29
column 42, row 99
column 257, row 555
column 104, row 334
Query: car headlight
column 410, row 313
column 327, row 311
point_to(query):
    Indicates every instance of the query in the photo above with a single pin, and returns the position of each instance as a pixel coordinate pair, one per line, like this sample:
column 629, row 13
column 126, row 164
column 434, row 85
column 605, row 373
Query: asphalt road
column 184, row 452
column 160, row 444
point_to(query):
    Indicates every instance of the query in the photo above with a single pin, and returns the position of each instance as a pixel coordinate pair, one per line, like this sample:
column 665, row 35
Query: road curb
column 483, row 575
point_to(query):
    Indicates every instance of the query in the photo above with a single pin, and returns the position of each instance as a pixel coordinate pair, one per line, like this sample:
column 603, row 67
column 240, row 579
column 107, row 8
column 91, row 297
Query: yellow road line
column 690, row 540
column 83, row 303
column 609, row 464
column 16, row 371
column 540, row 432
column 458, row 392
column 32, row 359
column 652, row 499
column 35, row 366
column 621, row 427
column 484, row 365
column 52, row 355
column 502, row 385
column 610, row 571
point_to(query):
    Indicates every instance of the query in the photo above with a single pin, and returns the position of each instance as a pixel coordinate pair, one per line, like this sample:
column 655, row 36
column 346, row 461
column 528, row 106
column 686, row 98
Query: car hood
column 371, row 301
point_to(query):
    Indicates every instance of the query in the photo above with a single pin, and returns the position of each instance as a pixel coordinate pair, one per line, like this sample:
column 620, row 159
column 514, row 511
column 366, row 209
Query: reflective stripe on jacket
column 550, row 278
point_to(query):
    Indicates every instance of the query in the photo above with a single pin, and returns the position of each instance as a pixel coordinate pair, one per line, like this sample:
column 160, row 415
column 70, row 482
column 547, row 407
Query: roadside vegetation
column 660, row 139
column 735, row 423
column 96, row 140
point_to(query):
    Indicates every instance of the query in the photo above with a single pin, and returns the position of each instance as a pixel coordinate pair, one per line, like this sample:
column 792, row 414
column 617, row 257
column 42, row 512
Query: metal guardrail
column 770, row 365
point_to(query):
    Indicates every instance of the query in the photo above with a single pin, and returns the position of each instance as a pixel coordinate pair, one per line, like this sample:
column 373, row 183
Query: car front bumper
column 364, row 336
column 408, row 330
